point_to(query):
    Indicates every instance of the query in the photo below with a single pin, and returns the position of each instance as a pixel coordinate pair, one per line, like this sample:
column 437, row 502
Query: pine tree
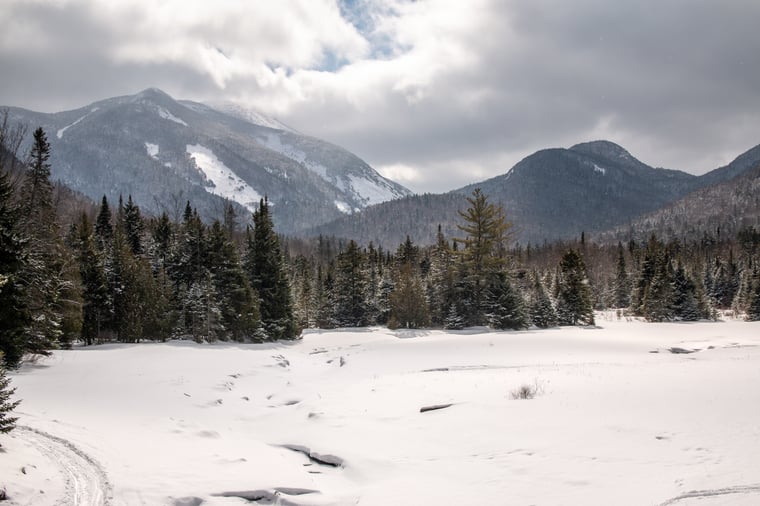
column 265, row 266
column 7, row 422
column 486, row 230
column 574, row 304
column 685, row 303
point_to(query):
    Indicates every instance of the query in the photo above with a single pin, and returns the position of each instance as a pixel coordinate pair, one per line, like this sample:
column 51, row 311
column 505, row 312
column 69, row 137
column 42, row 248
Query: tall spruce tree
column 542, row 312
column 236, row 301
column 14, row 314
column 48, row 272
column 350, row 290
column 622, row 286
column 96, row 307
column 574, row 302
column 133, row 226
column 265, row 266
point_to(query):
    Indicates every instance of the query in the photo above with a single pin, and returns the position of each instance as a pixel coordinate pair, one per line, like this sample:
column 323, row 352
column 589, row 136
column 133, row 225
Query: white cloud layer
column 439, row 92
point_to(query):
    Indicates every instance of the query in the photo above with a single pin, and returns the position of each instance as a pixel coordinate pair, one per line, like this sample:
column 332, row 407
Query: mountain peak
column 606, row 149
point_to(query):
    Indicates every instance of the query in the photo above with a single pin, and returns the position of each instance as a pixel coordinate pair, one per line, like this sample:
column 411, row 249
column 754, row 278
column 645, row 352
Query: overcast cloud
column 433, row 93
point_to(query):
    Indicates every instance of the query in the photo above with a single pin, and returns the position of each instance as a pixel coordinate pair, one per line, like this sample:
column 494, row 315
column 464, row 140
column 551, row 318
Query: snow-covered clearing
column 624, row 415
column 226, row 183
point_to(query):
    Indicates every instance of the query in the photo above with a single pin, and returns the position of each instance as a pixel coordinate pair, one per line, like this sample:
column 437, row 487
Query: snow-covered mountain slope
column 165, row 152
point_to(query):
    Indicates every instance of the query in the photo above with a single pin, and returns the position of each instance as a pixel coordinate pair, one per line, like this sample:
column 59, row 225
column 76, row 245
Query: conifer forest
column 75, row 272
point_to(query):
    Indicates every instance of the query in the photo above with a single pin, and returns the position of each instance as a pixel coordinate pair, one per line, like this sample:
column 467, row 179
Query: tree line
column 112, row 274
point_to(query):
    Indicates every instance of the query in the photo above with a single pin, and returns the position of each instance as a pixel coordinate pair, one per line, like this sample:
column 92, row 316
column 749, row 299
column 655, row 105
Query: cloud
column 440, row 93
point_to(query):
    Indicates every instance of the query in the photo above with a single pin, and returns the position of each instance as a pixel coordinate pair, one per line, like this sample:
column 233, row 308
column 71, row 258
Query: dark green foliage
column 14, row 314
column 506, row 306
column 237, row 304
column 103, row 226
column 96, row 304
column 349, row 293
column 686, row 304
column 483, row 255
column 574, row 306
column 133, row 226
column 7, row 422
column 753, row 303
column 265, row 267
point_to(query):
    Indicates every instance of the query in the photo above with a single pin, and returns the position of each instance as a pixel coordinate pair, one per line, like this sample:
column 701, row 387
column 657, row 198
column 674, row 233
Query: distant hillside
column 551, row 194
column 164, row 152
column 723, row 208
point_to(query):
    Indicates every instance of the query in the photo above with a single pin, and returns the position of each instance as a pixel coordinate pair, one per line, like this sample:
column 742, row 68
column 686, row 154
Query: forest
column 73, row 272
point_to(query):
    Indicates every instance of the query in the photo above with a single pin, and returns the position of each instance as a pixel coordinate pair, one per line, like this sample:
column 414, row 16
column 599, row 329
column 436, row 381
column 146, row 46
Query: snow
column 619, row 419
column 343, row 207
column 372, row 192
column 60, row 132
column 168, row 115
column 226, row 183
column 152, row 150
column 250, row 115
column 599, row 169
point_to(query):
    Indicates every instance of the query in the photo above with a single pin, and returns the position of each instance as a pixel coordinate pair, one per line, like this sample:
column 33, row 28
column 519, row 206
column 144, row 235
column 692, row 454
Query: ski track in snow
column 704, row 494
column 86, row 483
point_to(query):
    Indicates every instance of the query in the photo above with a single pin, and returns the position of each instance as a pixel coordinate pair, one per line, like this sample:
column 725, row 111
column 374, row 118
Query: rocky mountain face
column 165, row 152
column 551, row 194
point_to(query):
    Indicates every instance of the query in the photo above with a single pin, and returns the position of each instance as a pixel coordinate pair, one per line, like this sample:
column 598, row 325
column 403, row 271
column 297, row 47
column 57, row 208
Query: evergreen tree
column 506, row 306
column 103, row 227
column 622, row 285
column 133, row 226
column 685, row 303
column 14, row 314
column 350, row 291
column 659, row 296
column 441, row 284
column 574, row 304
column 265, row 267
column 237, row 304
column 486, row 230
column 753, row 304
column 48, row 272
column 96, row 307
column 7, row 422
column 542, row 313
column 408, row 307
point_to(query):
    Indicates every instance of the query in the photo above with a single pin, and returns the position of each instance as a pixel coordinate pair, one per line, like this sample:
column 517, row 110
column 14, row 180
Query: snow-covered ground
column 619, row 419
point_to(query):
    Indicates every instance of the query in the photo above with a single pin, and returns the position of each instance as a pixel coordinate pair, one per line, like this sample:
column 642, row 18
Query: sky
column 434, row 94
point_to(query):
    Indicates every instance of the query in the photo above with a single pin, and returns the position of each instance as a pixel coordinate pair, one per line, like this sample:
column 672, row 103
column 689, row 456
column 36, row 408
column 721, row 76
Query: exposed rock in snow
column 152, row 150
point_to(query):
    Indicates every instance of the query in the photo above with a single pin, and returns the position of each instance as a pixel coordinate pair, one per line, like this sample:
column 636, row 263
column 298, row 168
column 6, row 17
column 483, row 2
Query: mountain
column 164, row 152
column 721, row 209
column 552, row 194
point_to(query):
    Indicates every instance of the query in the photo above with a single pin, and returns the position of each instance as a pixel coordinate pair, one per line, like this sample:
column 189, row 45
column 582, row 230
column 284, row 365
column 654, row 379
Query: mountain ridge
column 164, row 152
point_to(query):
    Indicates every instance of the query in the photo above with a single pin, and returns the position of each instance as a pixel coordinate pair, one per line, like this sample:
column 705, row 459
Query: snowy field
column 619, row 419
